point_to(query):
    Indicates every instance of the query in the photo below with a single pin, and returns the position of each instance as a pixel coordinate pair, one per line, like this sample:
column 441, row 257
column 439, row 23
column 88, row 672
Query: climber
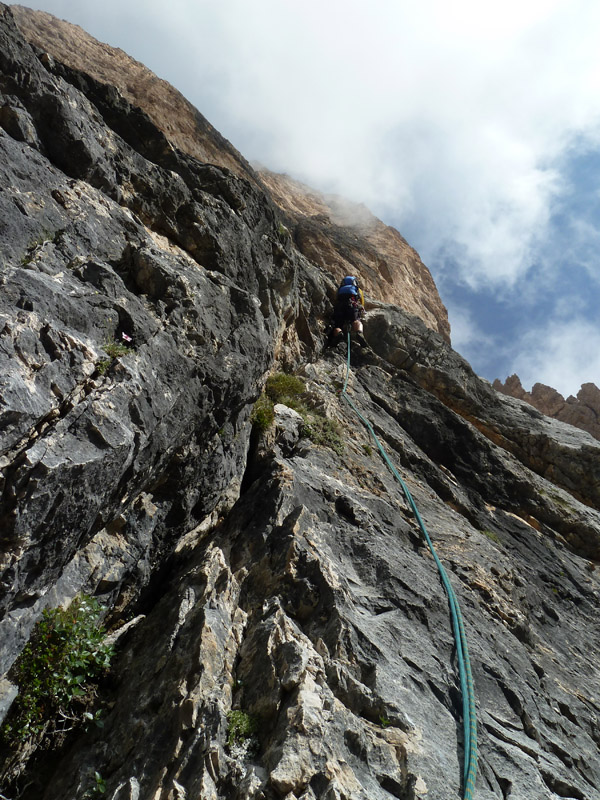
column 348, row 312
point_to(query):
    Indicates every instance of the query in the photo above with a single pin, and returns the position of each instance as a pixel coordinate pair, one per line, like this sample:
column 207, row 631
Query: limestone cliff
column 345, row 238
column 583, row 411
column 263, row 568
column 340, row 237
column 169, row 111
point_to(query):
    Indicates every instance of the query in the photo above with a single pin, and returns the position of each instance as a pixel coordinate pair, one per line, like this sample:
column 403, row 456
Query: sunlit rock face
column 346, row 239
column 145, row 297
column 342, row 237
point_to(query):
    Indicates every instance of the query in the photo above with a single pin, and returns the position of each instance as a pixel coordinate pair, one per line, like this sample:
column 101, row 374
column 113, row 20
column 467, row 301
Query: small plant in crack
column 241, row 733
column 103, row 365
column 114, row 350
column 290, row 390
column 321, row 430
column 282, row 387
column 97, row 789
column 263, row 413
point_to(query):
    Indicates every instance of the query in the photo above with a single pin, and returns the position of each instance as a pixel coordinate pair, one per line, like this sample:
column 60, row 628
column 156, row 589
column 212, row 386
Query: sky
column 471, row 127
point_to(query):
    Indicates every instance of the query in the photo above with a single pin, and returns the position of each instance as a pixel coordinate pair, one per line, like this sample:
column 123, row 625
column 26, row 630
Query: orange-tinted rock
column 582, row 411
column 512, row 387
column 547, row 399
column 346, row 239
column 168, row 109
column 343, row 238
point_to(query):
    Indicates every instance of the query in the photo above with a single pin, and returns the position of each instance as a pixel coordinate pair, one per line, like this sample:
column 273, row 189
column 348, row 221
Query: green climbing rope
column 462, row 650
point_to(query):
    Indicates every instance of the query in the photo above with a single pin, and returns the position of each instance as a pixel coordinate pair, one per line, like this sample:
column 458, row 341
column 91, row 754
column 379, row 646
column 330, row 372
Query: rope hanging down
column 462, row 651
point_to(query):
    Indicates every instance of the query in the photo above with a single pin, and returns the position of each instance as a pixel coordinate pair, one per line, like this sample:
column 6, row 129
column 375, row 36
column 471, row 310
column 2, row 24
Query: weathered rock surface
column 201, row 288
column 345, row 238
column 167, row 108
column 582, row 411
column 260, row 571
column 340, row 237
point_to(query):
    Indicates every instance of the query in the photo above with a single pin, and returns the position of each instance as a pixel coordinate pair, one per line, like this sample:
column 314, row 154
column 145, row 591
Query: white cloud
column 449, row 118
column 453, row 121
column 563, row 355
column 581, row 247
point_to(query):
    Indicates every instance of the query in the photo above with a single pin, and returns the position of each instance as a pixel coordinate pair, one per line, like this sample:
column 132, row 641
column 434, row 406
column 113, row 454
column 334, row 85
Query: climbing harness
column 462, row 651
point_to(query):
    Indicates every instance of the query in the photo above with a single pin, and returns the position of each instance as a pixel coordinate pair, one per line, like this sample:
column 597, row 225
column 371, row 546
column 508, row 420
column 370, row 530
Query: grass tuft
column 284, row 388
column 288, row 389
column 263, row 413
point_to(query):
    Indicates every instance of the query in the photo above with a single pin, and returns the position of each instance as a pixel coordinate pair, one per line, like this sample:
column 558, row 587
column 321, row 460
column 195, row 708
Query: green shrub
column 103, row 365
column 288, row 389
column 97, row 789
column 263, row 413
column 116, row 349
column 241, row 727
column 279, row 388
column 283, row 388
column 57, row 670
column 323, row 431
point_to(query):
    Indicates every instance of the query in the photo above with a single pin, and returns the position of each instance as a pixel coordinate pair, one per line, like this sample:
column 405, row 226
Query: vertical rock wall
column 340, row 237
column 263, row 572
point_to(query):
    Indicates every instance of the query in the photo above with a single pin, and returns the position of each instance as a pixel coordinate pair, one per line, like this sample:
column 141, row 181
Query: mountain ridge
column 582, row 411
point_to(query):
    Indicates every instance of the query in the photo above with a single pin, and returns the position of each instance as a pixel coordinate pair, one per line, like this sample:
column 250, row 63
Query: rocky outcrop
column 258, row 570
column 167, row 108
column 582, row 411
column 340, row 237
column 345, row 238
column 146, row 258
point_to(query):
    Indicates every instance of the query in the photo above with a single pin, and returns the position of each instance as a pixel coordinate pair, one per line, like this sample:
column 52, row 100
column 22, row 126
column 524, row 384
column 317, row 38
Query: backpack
column 346, row 292
column 350, row 291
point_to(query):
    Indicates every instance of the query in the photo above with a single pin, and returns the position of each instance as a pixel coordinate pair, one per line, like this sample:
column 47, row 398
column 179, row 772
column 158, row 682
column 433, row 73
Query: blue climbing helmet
column 348, row 288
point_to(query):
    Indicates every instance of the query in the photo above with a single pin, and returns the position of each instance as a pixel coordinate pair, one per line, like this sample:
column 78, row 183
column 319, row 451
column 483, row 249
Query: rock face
column 345, row 238
column 340, row 237
column 169, row 111
column 251, row 569
column 582, row 411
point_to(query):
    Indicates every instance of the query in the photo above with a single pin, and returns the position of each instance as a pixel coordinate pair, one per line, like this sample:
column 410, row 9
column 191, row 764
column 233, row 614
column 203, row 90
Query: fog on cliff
column 472, row 128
